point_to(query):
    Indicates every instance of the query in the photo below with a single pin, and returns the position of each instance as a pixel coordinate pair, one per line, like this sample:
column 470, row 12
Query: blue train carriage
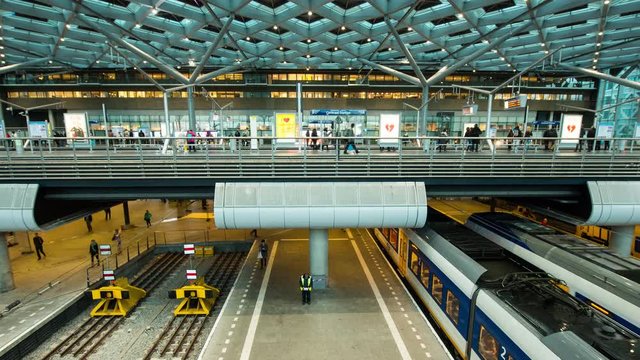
column 603, row 279
column 445, row 274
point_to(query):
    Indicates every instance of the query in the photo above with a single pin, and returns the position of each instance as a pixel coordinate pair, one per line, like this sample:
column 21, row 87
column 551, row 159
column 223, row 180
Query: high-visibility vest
column 306, row 284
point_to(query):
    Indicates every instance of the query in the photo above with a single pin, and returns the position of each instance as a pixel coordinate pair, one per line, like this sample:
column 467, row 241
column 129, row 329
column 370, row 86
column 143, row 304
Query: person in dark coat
column 475, row 133
column 88, row 220
column 94, row 251
column 38, row 243
column 264, row 249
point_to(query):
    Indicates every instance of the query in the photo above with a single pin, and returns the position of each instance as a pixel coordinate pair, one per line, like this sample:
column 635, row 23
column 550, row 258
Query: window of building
column 453, row 307
column 436, row 289
column 424, row 274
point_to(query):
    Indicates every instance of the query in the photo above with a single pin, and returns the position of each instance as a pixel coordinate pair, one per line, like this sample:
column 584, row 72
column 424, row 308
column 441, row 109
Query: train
column 491, row 304
column 605, row 280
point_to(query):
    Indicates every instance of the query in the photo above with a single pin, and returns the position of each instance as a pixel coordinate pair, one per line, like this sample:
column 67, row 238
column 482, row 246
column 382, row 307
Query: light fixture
column 308, row 56
column 514, row 70
column 97, row 61
column 154, row 11
column 409, row 28
column 335, row 48
column 138, row 25
column 606, row 2
column 4, row 62
column 368, row 39
column 600, row 33
column 595, row 60
column 68, row 26
column 281, row 48
column 1, row 47
column 494, row 51
column 309, row 13
column 390, row 49
column 50, row 62
column 192, row 62
column 275, row 27
column 61, row 39
column 597, row 53
column 444, row 50
column 350, row 68
column 594, row 67
column 248, row 38
column 308, row 40
column 485, row 41
column 598, row 44
column 501, row 58
column 460, row 15
column 343, row 28
column 546, row 51
column 135, row 68
column 284, row 61
column 178, row 67
column 308, row 68
column 474, row 70
column 427, row 42
column 542, row 44
column 144, row 61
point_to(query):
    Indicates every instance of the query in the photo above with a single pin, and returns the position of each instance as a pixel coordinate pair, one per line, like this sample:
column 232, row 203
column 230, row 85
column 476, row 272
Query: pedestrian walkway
column 365, row 313
column 45, row 287
column 459, row 209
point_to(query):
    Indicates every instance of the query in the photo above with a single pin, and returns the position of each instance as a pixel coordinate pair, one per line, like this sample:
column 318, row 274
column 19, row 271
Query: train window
column 453, row 307
column 436, row 289
column 393, row 238
column 488, row 347
column 415, row 262
column 424, row 274
column 385, row 233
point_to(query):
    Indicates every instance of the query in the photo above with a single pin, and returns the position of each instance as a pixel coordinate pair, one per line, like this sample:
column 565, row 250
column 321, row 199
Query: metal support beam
column 137, row 68
column 407, row 53
column 474, row 89
column 214, row 46
column 446, row 70
column 224, row 70
column 599, row 75
column 390, row 71
column 13, row 67
column 159, row 64
column 522, row 72
column 191, row 109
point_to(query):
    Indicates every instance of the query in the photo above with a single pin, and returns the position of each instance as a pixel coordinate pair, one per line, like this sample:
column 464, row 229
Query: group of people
column 473, row 132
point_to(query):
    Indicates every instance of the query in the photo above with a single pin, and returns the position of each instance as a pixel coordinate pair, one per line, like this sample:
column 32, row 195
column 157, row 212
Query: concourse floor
column 365, row 313
column 68, row 262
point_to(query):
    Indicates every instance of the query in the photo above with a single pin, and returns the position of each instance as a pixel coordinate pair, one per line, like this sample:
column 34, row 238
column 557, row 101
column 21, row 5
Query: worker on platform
column 117, row 237
column 38, row 243
column 306, row 285
column 147, row 218
column 94, row 251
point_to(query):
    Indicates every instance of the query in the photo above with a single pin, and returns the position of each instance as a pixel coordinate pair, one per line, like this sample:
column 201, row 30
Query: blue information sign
column 338, row 112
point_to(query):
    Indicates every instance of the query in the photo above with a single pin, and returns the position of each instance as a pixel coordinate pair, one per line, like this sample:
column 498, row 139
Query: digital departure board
column 470, row 109
column 517, row 102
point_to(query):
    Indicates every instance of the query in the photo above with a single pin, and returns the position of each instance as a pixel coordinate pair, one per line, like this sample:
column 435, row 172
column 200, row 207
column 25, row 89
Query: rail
column 252, row 159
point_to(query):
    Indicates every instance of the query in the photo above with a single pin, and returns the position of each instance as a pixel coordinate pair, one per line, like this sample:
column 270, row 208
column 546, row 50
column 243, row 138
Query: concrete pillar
column 6, row 275
column 192, row 109
column 127, row 219
column 319, row 257
column 621, row 239
column 424, row 111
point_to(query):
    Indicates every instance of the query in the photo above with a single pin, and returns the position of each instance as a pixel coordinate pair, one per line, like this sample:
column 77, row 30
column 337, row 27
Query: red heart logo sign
column 571, row 128
column 389, row 127
column 285, row 120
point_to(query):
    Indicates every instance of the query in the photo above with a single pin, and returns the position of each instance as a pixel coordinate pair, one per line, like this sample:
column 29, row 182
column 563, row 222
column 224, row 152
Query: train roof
column 550, row 310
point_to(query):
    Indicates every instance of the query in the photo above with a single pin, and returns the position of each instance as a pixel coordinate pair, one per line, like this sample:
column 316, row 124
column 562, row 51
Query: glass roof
column 319, row 34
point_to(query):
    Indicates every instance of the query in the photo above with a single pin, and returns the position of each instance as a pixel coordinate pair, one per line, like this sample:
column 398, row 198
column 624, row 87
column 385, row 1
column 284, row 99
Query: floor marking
column 405, row 315
column 242, row 300
column 227, row 341
column 22, row 321
column 220, row 358
column 235, row 319
column 238, row 312
column 240, row 306
column 349, row 234
column 402, row 309
column 410, row 322
column 423, row 346
column 32, row 314
column 224, row 350
column 418, row 337
column 413, row 329
column 1, row 335
column 385, row 311
column 230, row 333
column 393, row 293
column 399, row 303
column 395, row 298
column 233, row 326
column 428, row 354
column 246, row 290
column 42, row 308
column 11, row 328
column 253, row 325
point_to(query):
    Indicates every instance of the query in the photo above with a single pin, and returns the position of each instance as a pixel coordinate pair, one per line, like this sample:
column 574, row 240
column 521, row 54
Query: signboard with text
column 470, row 109
column 286, row 128
column 516, row 102
column 389, row 128
column 334, row 112
column 571, row 125
column 38, row 129
column 605, row 130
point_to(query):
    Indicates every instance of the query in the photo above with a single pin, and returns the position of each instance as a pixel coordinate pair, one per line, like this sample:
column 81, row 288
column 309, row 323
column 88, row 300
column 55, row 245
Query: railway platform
column 364, row 313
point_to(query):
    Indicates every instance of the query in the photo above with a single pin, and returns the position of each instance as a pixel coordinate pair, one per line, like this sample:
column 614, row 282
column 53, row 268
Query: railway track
column 94, row 331
column 179, row 336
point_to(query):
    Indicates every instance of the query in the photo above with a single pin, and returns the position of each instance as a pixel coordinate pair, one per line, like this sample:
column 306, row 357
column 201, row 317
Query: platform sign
column 286, row 127
column 389, row 129
column 189, row 249
column 470, row 109
column 571, row 125
column 605, row 130
column 105, row 250
column 192, row 275
column 516, row 102
column 108, row 275
column 38, row 129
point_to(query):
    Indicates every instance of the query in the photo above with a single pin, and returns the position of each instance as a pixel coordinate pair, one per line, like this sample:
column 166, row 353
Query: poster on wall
column 75, row 124
column 286, row 128
column 253, row 127
column 38, row 129
column 605, row 130
column 571, row 125
column 389, row 129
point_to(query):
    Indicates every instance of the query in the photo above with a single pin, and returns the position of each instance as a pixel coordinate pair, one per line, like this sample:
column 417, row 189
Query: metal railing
column 117, row 259
column 244, row 158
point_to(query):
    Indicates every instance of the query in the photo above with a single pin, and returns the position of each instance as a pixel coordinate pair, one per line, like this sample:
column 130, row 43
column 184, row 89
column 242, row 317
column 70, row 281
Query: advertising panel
column 389, row 128
column 38, row 129
column 605, row 130
column 286, row 128
column 253, row 126
column 571, row 125
column 75, row 124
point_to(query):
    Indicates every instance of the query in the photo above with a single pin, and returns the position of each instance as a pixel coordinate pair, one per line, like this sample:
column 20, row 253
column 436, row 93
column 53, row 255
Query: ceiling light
column 154, row 11
column 275, row 27
column 1, row 38
column 284, row 61
column 308, row 40
column 474, row 70
column 4, row 62
column 308, row 68
column 409, row 28
column 595, row 60
column 281, row 48
column 390, row 49
column 597, row 53
column 50, row 62
column 309, row 13
column 542, row 44
column 501, row 58
column 343, row 28
column 335, row 48
column 514, row 70
column 485, row 41
column 494, row 51
column 1, row 47
column 308, row 56
column 135, row 68
column 427, row 42
column 144, row 61
column 546, row 51
column 606, row 2
column 192, row 62
column 138, row 25
column 61, row 39
column 600, row 33
column 178, row 67
column 68, row 26
column 97, row 61
column 598, row 44
column 460, row 15
column 248, row 38
column 445, row 50
column 368, row 39
column 594, row 67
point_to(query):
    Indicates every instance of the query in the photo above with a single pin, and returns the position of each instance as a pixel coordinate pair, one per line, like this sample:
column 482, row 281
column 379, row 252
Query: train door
column 402, row 252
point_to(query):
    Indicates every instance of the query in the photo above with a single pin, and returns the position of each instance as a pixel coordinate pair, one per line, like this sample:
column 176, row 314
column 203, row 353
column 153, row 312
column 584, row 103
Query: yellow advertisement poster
column 286, row 127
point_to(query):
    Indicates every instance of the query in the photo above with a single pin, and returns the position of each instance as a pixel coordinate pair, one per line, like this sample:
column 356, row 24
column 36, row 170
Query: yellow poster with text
column 286, row 128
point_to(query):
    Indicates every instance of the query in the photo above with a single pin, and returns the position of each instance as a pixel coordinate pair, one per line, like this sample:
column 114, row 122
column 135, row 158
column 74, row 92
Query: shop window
column 488, row 347
column 424, row 274
column 453, row 307
column 436, row 289
column 414, row 261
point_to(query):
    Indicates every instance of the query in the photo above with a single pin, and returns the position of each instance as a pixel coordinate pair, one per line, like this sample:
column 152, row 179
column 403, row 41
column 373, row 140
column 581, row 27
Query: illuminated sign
column 389, row 128
column 519, row 101
column 571, row 124
column 286, row 127
column 75, row 125
column 338, row 112
column 470, row 109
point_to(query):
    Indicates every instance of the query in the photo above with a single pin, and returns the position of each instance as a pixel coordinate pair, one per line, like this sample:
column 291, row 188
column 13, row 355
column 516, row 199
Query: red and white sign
column 192, row 275
column 389, row 128
column 571, row 124
column 189, row 249
column 108, row 275
column 105, row 250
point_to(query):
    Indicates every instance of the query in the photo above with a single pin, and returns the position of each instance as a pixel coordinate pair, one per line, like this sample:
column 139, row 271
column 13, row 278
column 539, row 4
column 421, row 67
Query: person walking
column 89, row 219
column 117, row 237
column 351, row 145
column 107, row 214
column 94, row 251
column 306, row 285
column 264, row 249
column 314, row 139
column 38, row 243
column 147, row 218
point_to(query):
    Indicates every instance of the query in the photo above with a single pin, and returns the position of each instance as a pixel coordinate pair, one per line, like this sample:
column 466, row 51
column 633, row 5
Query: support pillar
column 191, row 108
column 127, row 219
column 319, row 257
column 181, row 206
column 621, row 239
column 424, row 110
column 6, row 275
